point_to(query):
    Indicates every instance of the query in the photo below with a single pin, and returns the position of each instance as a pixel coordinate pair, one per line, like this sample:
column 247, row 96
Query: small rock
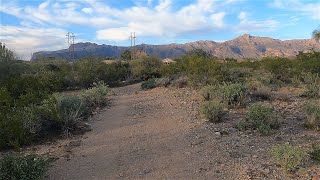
column 217, row 133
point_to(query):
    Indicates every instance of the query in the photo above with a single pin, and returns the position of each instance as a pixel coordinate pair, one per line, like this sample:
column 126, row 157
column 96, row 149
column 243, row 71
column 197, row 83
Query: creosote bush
column 315, row 152
column 288, row 157
column 228, row 94
column 312, row 82
column 149, row 84
column 312, row 112
column 96, row 95
column 22, row 167
column 261, row 118
column 180, row 82
column 71, row 110
column 213, row 111
column 163, row 82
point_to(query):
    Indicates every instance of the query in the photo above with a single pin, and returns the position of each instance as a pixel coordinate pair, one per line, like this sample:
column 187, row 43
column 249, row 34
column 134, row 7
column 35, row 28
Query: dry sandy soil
column 159, row 134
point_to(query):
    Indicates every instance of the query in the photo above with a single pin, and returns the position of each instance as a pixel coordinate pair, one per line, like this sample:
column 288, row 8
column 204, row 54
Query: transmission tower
column 133, row 43
column 71, row 46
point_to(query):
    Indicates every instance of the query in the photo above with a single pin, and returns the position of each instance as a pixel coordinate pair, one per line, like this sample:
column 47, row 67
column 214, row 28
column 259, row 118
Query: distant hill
column 245, row 46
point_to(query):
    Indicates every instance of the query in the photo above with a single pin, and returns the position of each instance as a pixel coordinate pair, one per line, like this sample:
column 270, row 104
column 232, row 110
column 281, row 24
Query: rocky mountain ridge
column 245, row 46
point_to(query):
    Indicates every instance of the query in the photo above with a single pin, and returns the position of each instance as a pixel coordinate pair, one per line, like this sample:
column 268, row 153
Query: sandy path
column 142, row 135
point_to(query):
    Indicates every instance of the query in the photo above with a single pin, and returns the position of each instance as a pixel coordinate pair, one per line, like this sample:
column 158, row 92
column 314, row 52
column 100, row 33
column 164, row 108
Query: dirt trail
column 158, row 134
column 144, row 134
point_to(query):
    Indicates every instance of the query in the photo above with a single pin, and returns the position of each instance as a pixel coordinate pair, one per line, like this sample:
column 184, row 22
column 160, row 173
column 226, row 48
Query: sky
column 28, row 26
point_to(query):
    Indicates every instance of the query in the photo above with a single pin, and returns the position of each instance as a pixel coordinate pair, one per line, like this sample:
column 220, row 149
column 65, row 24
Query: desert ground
column 160, row 134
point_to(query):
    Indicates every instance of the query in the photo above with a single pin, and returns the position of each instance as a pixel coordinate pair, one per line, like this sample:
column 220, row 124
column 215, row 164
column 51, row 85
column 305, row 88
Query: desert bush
column 280, row 68
column 209, row 92
column 232, row 74
column 22, row 167
column 180, row 82
column 308, row 62
column 229, row 94
column 312, row 112
column 312, row 82
column 50, row 116
column 96, row 95
column 309, row 78
column 163, row 82
column 149, row 84
column 312, row 90
column 315, row 152
column 287, row 156
column 261, row 118
column 296, row 80
column 213, row 111
column 262, row 93
column 19, row 126
column 169, row 70
column 146, row 67
column 87, row 71
column 71, row 111
column 233, row 94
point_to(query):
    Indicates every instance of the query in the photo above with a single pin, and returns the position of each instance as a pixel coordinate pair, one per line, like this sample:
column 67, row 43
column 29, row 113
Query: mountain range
column 245, row 46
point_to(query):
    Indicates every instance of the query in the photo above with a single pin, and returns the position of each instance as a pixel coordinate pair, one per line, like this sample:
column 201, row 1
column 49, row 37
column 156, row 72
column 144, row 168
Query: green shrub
column 229, row 94
column 163, row 82
column 262, row 93
column 312, row 90
column 213, row 111
column 235, row 74
column 287, row 156
column 180, row 82
column 22, row 167
column 280, row 68
column 71, row 111
column 312, row 82
column 315, row 152
column 146, row 67
column 209, row 92
column 19, row 126
column 96, row 96
column 261, row 118
column 312, row 111
column 233, row 94
column 296, row 80
column 149, row 84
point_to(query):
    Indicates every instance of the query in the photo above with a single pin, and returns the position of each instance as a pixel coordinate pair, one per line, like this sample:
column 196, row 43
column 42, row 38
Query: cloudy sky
column 33, row 25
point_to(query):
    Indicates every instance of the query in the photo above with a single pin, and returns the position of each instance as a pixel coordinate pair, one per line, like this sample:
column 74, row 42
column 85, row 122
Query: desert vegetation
column 34, row 105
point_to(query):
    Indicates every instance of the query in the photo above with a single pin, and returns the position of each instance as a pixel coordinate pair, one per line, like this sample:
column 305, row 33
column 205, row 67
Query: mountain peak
column 245, row 36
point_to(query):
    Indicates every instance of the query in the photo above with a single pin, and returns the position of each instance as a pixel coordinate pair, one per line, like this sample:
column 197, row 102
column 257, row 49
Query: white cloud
column 247, row 25
column 161, row 21
column 164, row 5
column 58, row 13
column 218, row 19
column 25, row 40
column 304, row 8
column 87, row 10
